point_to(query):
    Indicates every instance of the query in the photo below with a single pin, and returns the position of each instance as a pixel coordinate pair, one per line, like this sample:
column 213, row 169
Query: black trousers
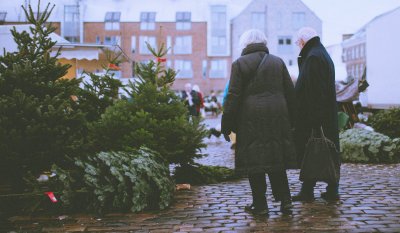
column 279, row 186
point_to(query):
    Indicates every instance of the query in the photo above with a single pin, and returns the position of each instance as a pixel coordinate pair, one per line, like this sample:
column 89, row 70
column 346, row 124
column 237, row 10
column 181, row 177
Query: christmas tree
column 154, row 117
column 40, row 123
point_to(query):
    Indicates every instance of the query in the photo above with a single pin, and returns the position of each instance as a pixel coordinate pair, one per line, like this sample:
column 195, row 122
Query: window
column 362, row 68
column 298, row 19
column 356, row 71
column 218, row 17
column 3, row 15
column 218, row 69
column 112, row 40
column 148, row 21
column 183, row 21
column 290, row 62
column 183, row 45
column 169, row 44
column 204, row 68
column 219, row 32
column 362, row 51
column 112, row 20
column 133, row 44
column 184, row 68
column 168, row 64
column 285, row 44
column 258, row 20
column 71, row 23
column 218, row 44
column 143, row 46
column 357, row 52
column 98, row 41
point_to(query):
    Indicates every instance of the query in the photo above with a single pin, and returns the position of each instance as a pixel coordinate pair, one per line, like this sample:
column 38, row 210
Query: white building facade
column 376, row 48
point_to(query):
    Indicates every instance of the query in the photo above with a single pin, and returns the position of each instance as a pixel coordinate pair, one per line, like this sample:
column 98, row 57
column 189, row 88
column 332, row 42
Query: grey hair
column 306, row 34
column 252, row 36
column 196, row 88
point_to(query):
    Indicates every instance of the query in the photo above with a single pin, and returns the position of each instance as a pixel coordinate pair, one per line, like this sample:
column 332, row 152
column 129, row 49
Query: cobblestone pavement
column 370, row 202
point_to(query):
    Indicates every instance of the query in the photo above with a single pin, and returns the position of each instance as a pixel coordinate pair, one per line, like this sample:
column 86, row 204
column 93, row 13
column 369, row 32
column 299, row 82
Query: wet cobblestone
column 370, row 202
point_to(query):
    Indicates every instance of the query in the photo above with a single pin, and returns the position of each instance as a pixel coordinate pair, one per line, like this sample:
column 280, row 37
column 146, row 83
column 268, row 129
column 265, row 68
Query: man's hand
column 227, row 138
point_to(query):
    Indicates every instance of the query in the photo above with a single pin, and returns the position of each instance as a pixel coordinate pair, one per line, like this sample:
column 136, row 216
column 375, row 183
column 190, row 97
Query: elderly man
column 191, row 99
column 316, row 104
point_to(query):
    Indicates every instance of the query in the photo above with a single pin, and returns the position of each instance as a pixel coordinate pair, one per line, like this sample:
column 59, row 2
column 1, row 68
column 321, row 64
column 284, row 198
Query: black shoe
column 330, row 196
column 302, row 196
column 256, row 211
column 214, row 132
column 286, row 206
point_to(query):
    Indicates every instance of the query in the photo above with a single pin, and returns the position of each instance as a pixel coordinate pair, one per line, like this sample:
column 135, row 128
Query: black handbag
column 320, row 161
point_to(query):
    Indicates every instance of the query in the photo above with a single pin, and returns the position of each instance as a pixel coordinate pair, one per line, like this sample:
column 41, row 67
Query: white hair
column 196, row 88
column 252, row 36
column 306, row 34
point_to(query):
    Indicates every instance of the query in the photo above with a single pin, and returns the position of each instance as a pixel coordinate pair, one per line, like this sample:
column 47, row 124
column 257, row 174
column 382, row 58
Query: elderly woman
column 259, row 109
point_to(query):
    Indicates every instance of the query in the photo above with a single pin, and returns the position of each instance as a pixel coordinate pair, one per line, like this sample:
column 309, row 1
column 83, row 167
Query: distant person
column 214, row 103
column 259, row 109
column 191, row 99
column 316, row 104
column 200, row 106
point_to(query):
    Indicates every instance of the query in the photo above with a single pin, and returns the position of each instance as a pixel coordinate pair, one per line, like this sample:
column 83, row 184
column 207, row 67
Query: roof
column 95, row 10
column 69, row 51
column 361, row 33
column 7, row 40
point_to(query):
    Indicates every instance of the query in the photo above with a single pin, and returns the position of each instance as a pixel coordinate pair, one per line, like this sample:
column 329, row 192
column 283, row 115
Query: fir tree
column 155, row 117
column 40, row 123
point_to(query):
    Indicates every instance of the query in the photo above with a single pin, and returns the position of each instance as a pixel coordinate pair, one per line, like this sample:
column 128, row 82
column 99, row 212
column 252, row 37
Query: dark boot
column 258, row 189
column 257, row 211
column 306, row 193
column 332, row 192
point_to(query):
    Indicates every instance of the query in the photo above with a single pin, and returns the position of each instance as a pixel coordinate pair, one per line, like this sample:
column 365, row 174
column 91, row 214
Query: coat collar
column 310, row 44
column 253, row 48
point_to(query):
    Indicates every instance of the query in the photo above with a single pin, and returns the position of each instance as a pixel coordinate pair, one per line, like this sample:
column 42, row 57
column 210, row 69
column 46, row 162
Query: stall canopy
column 69, row 50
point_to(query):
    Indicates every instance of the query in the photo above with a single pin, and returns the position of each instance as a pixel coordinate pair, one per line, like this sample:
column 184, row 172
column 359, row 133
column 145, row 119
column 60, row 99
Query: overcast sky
column 347, row 16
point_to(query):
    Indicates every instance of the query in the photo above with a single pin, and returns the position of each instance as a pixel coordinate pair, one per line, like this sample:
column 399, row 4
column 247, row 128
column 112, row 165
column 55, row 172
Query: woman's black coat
column 259, row 107
column 315, row 95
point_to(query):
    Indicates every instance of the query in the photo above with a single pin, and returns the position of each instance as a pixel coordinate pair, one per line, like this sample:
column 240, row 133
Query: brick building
column 203, row 35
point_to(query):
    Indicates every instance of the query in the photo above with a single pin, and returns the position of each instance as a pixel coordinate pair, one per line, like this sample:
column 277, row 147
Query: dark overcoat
column 315, row 96
column 196, row 102
column 259, row 108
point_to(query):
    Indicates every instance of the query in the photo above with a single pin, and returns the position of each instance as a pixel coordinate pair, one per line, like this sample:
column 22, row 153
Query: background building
column 375, row 46
column 203, row 35
column 279, row 20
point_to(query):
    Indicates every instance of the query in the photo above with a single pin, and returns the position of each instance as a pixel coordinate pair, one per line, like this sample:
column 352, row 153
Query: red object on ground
column 51, row 196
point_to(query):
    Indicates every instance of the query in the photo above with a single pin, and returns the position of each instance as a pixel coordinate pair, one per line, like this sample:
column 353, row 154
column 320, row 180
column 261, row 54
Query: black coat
column 196, row 102
column 259, row 108
column 315, row 95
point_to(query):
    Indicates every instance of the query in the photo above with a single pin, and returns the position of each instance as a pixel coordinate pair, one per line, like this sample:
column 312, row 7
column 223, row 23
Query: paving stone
column 370, row 202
